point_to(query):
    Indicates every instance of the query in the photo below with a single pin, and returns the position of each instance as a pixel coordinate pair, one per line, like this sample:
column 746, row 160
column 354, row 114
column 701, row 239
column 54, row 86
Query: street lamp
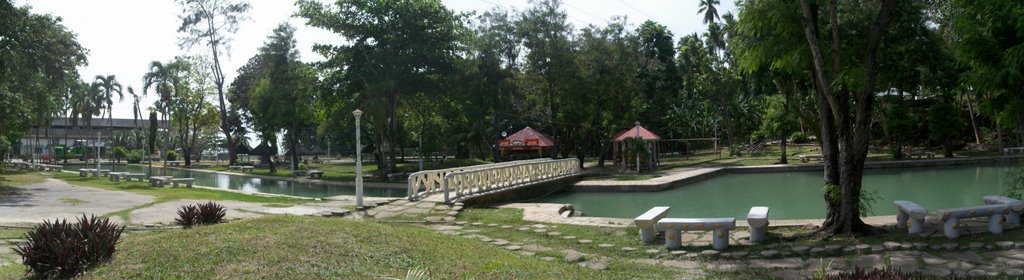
column 640, row 141
column 97, row 154
column 359, row 163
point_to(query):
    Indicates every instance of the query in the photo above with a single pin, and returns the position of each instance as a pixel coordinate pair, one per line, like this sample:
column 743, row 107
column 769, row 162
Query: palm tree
column 108, row 87
column 708, row 8
column 164, row 78
column 136, row 110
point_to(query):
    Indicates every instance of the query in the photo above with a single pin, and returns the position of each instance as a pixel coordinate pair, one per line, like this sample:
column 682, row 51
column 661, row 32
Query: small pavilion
column 621, row 147
column 525, row 143
column 243, row 149
column 263, row 150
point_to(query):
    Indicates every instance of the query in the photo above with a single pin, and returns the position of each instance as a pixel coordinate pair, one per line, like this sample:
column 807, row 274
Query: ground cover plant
column 60, row 249
column 208, row 213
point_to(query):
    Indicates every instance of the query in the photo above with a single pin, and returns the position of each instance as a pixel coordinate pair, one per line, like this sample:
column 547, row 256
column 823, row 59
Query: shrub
column 135, row 156
column 59, row 249
column 873, row 274
column 799, row 137
column 172, row 156
column 200, row 214
column 119, row 153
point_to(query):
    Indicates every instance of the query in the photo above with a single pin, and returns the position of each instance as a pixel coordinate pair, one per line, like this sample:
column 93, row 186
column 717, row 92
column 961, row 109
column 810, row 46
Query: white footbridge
column 458, row 183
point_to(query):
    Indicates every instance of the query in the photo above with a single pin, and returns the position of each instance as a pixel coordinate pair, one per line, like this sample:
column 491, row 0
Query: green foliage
column 151, row 135
column 1015, row 183
column 59, row 249
column 872, row 274
column 171, row 156
column 799, row 137
column 775, row 122
column 944, row 121
column 867, row 198
column 136, row 156
column 119, row 153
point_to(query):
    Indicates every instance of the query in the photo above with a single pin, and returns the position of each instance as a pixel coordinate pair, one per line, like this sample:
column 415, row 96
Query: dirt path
column 52, row 199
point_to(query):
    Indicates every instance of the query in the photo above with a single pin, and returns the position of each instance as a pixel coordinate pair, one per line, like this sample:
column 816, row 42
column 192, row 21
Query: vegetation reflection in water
column 798, row 195
column 257, row 185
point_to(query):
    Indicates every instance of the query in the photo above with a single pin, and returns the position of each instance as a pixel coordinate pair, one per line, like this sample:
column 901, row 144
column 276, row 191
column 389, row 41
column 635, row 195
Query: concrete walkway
column 55, row 199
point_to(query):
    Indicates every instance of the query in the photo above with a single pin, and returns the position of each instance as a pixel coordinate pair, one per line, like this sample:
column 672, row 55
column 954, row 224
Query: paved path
column 57, row 199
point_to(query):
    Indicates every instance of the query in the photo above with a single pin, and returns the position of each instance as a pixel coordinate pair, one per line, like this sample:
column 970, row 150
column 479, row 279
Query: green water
column 254, row 184
column 797, row 195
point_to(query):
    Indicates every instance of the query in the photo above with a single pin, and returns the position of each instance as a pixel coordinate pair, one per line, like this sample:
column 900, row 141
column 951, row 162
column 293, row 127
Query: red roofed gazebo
column 525, row 143
column 622, row 146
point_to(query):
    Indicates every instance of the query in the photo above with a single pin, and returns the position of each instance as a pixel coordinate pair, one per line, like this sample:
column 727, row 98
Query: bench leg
column 995, row 224
column 916, row 226
column 673, row 239
column 951, row 227
column 647, row 234
column 757, row 233
column 721, row 239
column 901, row 219
column 1013, row 218
column 188, row 185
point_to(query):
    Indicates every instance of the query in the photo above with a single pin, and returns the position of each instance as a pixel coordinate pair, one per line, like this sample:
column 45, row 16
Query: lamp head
column 357, row 113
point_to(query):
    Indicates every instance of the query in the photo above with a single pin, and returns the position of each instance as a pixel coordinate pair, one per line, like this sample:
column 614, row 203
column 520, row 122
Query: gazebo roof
column 527, row 137
column 632, row 132
column 261, row 150
column 242, row 149
column 304, row 151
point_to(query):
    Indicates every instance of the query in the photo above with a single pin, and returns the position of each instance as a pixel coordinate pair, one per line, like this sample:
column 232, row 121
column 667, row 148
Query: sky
column 124, row 36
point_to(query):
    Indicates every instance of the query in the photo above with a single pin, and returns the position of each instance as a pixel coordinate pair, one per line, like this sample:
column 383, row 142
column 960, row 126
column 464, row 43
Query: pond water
column 254, row 184
column 798, row 195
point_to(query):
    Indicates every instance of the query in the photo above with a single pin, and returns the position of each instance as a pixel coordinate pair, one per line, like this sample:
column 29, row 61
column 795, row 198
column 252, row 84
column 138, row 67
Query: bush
column 873, row 274
column 200, row 214
column 119, row 153
column 135, row 156
column 172, row 156
column 799, row 138
column 60, row 249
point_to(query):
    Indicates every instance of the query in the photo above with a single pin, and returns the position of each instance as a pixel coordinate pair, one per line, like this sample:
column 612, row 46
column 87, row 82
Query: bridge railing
column 466, row 183
column 432, row 181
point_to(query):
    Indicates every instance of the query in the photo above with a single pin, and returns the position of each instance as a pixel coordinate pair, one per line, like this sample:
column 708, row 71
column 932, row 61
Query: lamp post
column 97, row 154
column 359, row 163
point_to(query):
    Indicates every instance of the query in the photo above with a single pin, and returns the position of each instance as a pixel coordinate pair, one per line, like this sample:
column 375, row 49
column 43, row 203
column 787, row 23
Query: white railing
column 432, row 181
column 466, row 183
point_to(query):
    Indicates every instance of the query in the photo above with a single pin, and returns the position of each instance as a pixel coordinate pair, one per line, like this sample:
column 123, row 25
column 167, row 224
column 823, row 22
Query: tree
column 395, row 49
column 549, row 62
column 191, row 112
column 151, row 140
column 945, row 123
column 109, row 86
column 708, row 8
column 283, row 77
column 136, row 110
column 776, row 123
column 167, row 80
column 845, row 103
column 210, row 22
column 898, row 121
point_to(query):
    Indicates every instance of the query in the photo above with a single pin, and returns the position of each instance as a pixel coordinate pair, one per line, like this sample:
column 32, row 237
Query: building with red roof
column 622, row 150
column 525, row 143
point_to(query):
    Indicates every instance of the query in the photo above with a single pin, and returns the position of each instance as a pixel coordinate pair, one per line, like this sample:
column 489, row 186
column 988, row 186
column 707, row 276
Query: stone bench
column 234, row 167
column 910, row 211
column 757, row 219
column 186, row 181
column 1012, row 218
column 116, row 176
column 136, row 176
column 719, row 226
column 86, row 171
column 159, row 181
column 807, row 158
column 922, row 155
column 246, row 168
column 648, row 220
column 951, row 217
column 315, row 173
column 57, row 168
column 1008, row 151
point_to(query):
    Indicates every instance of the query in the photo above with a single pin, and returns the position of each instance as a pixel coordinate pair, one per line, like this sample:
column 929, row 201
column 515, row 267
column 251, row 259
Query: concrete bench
column 757, row 219
column 186, row 181
column 922, row 155
column 116, row 176
column 234, row 167
column 648, row 220
column 1012, row 218
column 57, row 168
column 719, row 226
column 246, row 168
column 1008, row 151
column 136, row 176
column 910, row 211
column 807, row 158
column 299, row 172
column 951, row 217
column 87, row 171
column 159, row 181
column 315, row 173
column 175, row 163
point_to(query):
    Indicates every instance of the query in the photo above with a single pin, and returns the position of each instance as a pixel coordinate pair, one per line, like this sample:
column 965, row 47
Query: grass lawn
column 288, row 247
